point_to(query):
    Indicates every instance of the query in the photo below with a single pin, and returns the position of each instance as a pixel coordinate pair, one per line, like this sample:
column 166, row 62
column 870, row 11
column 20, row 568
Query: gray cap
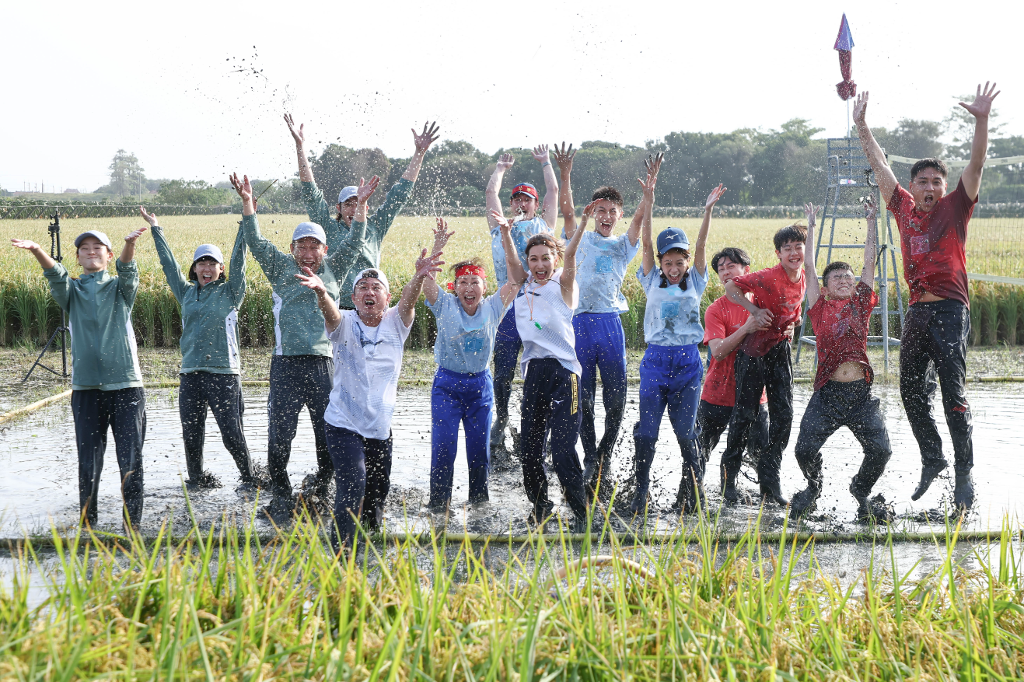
column 372, row 273
column 309, row 230
column 104, row 239
column 347, row 193
column 208, row 251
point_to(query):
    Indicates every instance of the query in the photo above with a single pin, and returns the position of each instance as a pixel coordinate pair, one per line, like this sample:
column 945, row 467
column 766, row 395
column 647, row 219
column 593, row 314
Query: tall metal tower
column 851, row 180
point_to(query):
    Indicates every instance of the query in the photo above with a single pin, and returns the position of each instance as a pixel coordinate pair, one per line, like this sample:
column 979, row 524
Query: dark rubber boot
column 804, row 501
column 929, row 473
column 729, row 493
column 963, row 491
column 772, row 491
column 642, row 462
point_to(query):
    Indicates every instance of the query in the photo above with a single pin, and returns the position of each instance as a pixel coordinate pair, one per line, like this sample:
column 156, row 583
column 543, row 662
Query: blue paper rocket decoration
column 844, row 44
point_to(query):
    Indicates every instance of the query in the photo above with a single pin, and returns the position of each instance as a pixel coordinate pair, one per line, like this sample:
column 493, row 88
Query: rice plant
column 24, row 306
column 978, row 291
column 1010, row 310
column 990, row 313
column 5, row 306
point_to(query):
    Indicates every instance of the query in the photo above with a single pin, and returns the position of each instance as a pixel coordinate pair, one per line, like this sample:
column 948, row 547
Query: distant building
column 71, row 191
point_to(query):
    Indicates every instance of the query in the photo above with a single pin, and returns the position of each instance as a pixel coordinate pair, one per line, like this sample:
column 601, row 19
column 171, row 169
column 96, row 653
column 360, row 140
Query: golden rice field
column 27, row 313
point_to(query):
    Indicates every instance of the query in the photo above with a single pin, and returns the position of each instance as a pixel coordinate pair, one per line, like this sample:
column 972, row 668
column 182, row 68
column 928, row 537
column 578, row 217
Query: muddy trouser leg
column 378, row 480
column 655, row 375
column 821, row 419
column 611, row 360
column 348, row 455
column 320, row 377
column 750, row 378
column 478, row 405
column 587, row 348
column 757, row 437
column 283, row 406
column 507, row 345
column 536, row 402
column 778, row 379
column 92, row 414
column 683, row 401
column 711, row 423
column 950, row 329
column 129, row 427
column 564, row 424
column 227, row 404
column 446, row 413
column 192, row 412
column 865, row 421
column 918, row 383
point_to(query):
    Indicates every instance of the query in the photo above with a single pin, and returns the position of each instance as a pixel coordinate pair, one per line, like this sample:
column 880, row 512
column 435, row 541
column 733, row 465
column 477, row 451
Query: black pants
column 711, row 423
column 935, row 344
column 551, row 401
column 851, row 405
column 124, row 411
column 362, row 475
column 772, row 372
column 223, row 394
column 297, row 380
column 507, row 346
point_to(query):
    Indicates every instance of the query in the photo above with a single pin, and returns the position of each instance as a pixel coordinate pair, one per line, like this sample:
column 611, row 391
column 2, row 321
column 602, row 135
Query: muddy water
column 39, row 485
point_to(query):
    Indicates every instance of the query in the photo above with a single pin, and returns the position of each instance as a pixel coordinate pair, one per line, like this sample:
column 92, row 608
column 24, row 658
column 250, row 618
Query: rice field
column 28, row 314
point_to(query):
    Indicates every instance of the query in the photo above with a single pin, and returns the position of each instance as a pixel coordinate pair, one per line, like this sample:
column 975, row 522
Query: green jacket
column 99, row 307
column 209, row 314
column 377, row 225
column 298, row 323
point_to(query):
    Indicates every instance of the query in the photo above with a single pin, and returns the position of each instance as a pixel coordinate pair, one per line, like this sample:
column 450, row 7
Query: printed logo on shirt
column 473, row 343
column 919, row 245
column 669, row 309
column 603, row 264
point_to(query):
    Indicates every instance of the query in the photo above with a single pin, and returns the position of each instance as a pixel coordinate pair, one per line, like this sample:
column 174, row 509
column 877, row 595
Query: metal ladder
column 850, row 178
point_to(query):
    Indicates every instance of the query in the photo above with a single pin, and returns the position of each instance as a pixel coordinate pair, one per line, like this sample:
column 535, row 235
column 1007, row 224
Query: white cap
column 347, row 193
column 104, row 239
column 373, row 273
column 309, row 230
column 208, row 251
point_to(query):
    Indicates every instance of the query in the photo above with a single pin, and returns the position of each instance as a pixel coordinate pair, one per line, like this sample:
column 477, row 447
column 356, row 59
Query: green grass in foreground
column 225, row 606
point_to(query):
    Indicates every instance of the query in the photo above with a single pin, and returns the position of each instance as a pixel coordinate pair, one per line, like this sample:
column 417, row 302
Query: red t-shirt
column 772, row 290
column 934, row 260
column 841, row 331
column 721, row 320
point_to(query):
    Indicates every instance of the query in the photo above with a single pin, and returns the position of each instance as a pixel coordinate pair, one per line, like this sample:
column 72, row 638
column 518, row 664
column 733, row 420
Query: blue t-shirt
column 672, row 317
column 600, row 268
column 465, row 343
column 521, row 233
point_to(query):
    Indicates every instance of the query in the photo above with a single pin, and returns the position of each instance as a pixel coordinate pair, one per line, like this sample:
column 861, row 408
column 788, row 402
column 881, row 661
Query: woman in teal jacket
column 209, row 351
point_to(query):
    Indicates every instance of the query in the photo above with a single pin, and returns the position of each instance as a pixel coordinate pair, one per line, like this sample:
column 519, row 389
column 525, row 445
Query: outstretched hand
column 441, row 235
column 366, row 189
column 426, row 138
column 653, row 162
column 715, row 195
column 428, row 266
column 298, row 135
column 132, row 236
column 981, row 107
column 648, row 186
column 500, row 220
column 242, row 186
column 311, row 280
column 26, row 244
column 505, row 162
column 564, row 157
column 860, row 108
column 149, row 217
column 540, row 152
column 870, row 209
column 811, row 212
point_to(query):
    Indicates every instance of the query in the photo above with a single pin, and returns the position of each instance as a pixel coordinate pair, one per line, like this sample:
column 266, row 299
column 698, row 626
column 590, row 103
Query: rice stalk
column 4, row 320
column 978, row 292
column 43, row 303
column 24, row 307
column 144, row 316
column 167, row 311
column 990, row 313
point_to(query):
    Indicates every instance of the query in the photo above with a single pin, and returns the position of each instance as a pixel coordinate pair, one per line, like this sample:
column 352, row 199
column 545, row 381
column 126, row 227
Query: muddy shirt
column 841, row 332
column 772, row 290
column 722, row 319
column 672, row 315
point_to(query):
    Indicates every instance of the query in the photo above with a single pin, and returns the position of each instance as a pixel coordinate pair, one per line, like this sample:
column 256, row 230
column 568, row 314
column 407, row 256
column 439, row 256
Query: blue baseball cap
column 672, row 238
column 96, row 234
column 309, row 230
column 208, row 251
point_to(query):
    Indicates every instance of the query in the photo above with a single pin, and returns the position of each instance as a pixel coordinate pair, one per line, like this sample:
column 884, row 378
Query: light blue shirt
column 521, row 233
column 465, row 342
column 601, row 264
column 672, row 317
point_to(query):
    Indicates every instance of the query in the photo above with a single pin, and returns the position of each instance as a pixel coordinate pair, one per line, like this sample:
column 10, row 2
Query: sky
column 197, row 90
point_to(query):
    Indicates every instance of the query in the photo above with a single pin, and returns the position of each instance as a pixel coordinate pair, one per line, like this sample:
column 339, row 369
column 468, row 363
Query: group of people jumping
column 554, row 311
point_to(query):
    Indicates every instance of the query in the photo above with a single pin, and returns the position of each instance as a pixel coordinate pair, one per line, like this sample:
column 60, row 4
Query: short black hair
column 610, row 193
column 832, row 267
column 736, row 255
column 790, row 233
column 937, row 164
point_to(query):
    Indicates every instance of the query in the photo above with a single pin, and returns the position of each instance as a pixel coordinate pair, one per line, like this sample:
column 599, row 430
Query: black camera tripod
column 62, row 330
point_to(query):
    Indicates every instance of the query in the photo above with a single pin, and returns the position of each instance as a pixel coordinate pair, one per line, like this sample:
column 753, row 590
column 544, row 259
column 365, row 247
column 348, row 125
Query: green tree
column 192, row 193
column 126, row 174
column 340, row 166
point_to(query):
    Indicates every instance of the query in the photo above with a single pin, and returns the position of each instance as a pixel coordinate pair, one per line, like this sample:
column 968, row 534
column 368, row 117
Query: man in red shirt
column 764, row 361
column 726, row 325
column 842, row 386
column 933, row 229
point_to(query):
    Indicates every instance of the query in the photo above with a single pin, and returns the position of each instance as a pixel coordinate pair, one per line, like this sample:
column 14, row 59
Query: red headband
column 471, row 270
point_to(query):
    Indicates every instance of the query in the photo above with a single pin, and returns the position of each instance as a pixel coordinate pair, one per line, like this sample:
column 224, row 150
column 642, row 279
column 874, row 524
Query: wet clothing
column 222, row 393
column 362, row 475
column 521, row 233
column 934, row 259
column 601, row 268
column 544, row 322
column 835, row 405
column 99, row 307
column 722, row 319
column 209, row 314
column 772, row 290
column 366, row 247
column 296, row 380
column 465, row 342
column 672, row 315
column 712, row 421
column 455, row 398
column 124, row 411
column 601, row 344
column 934, row 345
column 841, row 332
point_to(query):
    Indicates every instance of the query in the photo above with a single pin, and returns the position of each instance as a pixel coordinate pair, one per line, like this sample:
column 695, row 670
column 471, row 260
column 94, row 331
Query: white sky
column 82, row 80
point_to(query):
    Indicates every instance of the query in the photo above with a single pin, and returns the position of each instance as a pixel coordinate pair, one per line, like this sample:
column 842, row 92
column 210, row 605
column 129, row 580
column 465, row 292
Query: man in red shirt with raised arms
column 841, row 313
column 933, row 229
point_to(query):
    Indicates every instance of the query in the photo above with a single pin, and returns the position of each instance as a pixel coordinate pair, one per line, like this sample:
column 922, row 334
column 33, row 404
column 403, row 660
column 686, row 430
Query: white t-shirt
column 545, row 323
column 367, row 362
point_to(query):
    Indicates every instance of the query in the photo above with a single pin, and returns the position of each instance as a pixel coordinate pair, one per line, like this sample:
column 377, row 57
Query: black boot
column 729, row 493
column 929, row 472
column 645, row 448
column 963, row 491
column 804, row 501
column 771, row 491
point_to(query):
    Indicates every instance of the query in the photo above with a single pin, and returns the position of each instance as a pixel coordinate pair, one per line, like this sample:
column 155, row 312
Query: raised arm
column 441, row 237
column 647, row 238
column 564, row 157
column 568, row 278
column 700, row 255
column 343, row 254
column 550, row 206
column 810, row 271
column 762, row 317
column 128, row 251
column 492, row 200
column 42, row 257
column 423, row 141
column 867, row 275
column 653, row 165
column 876, row 157
column 426, row 266
column 513, row 266
column 298, row 134
column 172, row 269
column 263, row 250
column 332, row 315
column 980, row 108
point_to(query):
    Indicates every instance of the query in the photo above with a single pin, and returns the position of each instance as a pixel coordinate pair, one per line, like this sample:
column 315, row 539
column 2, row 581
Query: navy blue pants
column 507, row 346
column 601, row 345
column 551, row 401
column 362, row 474
column 467, row 399
column 297, row 380
column 223, row 394
column 94, row 412
column 934, row 345
column 711, row 423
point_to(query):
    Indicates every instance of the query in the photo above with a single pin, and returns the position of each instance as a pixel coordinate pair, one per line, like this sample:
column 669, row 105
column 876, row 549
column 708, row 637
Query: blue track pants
column 601, row 344
column 467, row 399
